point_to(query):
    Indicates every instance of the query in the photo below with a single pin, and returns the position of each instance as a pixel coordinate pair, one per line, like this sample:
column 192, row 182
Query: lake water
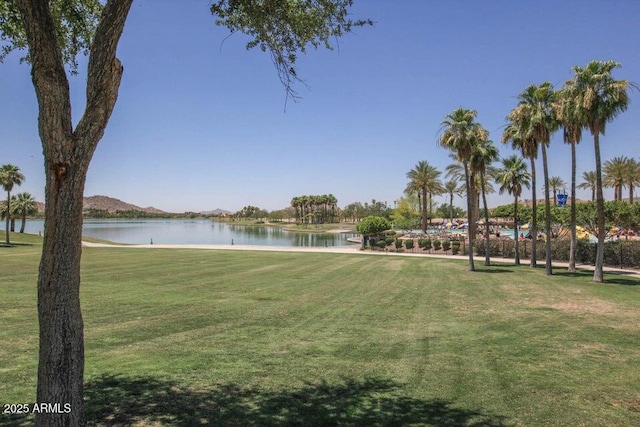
column 196, row 231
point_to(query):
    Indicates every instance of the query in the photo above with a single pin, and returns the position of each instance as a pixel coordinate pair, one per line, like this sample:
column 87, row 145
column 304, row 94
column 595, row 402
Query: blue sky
column 200, row 121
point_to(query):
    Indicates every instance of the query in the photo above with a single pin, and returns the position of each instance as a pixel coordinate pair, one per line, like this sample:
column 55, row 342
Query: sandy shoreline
column 352, row 249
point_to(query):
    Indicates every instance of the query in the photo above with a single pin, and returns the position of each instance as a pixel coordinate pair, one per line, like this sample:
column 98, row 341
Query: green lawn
column 187, row 337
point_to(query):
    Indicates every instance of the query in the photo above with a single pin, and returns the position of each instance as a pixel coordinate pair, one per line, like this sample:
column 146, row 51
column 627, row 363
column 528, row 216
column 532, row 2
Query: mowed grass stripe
column 505, row 344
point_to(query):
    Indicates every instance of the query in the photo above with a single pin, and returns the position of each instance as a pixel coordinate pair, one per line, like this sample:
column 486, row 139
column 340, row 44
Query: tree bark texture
column 574, row 236
column 471, row 229
column 67, row 155
column 533, row 230
column 598, row 273
column 547, row 213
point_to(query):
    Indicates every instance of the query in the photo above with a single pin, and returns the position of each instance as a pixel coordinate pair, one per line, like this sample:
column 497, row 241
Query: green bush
column 422, row 243
column 381, row 244
column 446, row 245
column 398, row 244
column 389, row 240
column 455, row 247
column 427, row 245
column 437, row 244
column 408, row 244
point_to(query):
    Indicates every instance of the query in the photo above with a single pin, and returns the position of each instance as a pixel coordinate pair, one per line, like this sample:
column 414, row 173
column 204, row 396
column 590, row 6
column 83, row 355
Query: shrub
column 422, row 243
column 398, row 244
column 391, row 233
column 389, row 240
column 381, row 244
column 408, row 244
column 437, row 244
column 455, row 247
column 427, row 244
column 446, row 245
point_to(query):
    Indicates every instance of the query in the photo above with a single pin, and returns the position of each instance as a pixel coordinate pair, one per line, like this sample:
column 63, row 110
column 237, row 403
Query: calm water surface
column 196, row 231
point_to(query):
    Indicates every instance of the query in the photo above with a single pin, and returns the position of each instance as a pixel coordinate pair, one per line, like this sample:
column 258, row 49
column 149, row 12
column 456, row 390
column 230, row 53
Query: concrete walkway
column 354, row 249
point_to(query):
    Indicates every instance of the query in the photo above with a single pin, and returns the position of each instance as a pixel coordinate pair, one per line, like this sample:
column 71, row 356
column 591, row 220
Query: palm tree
column 25, row 205
column 451, row 188
column 535, row 108
column 423, row 180
column 615, row 174
column 458, row 134
column 484, row 153
column 565, row 110
column 556, row 184
column 589, row 183
column 9, row 176
column 599, row 99
column 512, row 177
column 517, row 132
column 633, row 177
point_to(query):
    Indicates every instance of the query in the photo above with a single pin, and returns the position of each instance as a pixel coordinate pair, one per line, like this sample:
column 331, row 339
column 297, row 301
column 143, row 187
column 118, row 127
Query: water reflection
column 175, row 231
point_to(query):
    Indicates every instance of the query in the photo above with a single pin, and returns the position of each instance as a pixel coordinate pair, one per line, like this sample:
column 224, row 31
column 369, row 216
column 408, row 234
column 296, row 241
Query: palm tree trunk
column 451, row 207
column 515, row 232
column 424, row 211
column 574, row 236
column 487, row 243
column 598, row 273
column 6, row 237
column 630, row 193
column 471, row 227
column 547, row 213
column 24, row 221
column 533, row 230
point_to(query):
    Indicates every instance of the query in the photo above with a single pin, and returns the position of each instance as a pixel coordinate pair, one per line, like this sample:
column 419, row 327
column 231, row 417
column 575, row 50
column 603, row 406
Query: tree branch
column 48, row 75
column 105, row 72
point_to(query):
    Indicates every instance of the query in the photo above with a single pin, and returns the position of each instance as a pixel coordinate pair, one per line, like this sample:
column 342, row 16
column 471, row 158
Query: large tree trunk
column 13, row 225
column 67, row 155
column 61, row 356
column 470, row 229
column 24, row 222
column 547, row 213
column 533, row 230
column 574, row 236
column 598, row 274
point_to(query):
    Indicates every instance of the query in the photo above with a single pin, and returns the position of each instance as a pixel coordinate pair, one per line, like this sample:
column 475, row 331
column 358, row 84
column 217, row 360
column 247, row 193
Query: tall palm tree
column 565, row 110
column 25, row 205
column 484, row 153
column 535, row 107
column 10, row 175
column 615, row 174
column 458, row 133
column 423, row 180
column 599, row 99
column 556, row 184
column 517, row 132
column 589, row 183
column 512, row 177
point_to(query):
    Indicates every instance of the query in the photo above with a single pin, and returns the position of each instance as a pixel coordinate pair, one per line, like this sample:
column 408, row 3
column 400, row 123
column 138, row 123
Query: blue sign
column 562, row 200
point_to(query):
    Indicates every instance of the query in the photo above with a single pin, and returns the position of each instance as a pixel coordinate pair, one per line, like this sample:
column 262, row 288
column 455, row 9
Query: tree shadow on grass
column 121, row 401
column 610, row 277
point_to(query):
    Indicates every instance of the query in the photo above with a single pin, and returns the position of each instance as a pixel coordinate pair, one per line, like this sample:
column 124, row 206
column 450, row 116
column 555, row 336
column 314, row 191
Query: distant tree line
column 318, row 209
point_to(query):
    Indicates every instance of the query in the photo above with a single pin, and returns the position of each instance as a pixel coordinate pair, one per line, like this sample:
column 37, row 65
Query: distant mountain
column 215, row 212
column 111, row 205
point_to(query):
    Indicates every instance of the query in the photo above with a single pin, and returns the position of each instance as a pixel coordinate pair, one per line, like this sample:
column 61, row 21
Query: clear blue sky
column 200, row 121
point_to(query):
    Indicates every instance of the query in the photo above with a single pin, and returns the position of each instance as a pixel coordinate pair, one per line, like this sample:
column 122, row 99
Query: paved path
column 353, row 249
